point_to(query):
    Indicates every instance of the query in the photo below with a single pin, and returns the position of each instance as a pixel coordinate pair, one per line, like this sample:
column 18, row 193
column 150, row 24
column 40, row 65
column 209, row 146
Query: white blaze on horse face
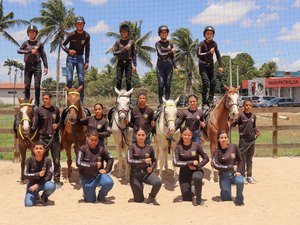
column 170, row 115
column 25, row 118
column 234, row 110
column 123, row 107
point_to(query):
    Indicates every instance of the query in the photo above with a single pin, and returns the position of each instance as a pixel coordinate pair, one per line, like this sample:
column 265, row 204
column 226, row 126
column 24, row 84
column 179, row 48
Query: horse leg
column 22, row 150
column 69, row 161
column 126, row 167
column 166, row 160
column 161, row 162
column 120, row 161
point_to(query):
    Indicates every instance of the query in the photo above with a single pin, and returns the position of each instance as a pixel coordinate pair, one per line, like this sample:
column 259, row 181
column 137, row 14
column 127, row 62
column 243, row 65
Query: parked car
column 283, row 102
column 261, row 101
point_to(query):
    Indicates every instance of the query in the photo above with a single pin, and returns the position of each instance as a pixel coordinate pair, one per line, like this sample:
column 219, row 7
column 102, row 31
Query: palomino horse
column 218, row 118
column 121, row 131
column 72, row 132
column 25, row 137
column 166, row 137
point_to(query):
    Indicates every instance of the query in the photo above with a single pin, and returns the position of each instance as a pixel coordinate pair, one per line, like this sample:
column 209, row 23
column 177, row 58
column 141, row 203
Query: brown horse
column 218, row 118
column 72, row 132
column 24, row 136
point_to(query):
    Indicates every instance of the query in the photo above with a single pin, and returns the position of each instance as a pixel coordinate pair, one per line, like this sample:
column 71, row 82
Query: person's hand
column 33, row 187
column 99, row 164
column 212, row 51
column 86, row 66
column 234, row 168
column 258, row 133
column 192, row 167
column 102, row 171
column 220, row 70
column 173, row 50
column 176, row 71
column 42, row 173
column 34, row 51
column 153, row 123
column 202, row 124
column 195, row 163
column 54, row 126
column 148, row 161
column 72, row 52
column 45, row 71
column 133, row 69
column 149, row 169
column 127, row 47
column 237, row 174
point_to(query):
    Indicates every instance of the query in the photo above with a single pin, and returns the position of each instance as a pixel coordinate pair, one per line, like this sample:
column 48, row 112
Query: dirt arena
column 275, row 199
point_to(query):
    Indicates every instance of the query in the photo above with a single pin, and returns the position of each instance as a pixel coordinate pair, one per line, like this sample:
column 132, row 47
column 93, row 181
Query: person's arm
column 153, row 158
column 204, row 156
column 200, row 54
column 105, row 132
column 130, row 158
column 239, row 159
column 48, row 175
column 236, row 122
column 43, row 55
column 161, row 51
column 58, row 119
column 23, row 49
column 133, row 53
column 35, row 120
column 66, row 42
column 27, row 174
column 180, row 120
column 217, row 164
column 87, row 49
column 82, row 164
column 117, row 50
column 176, row 160
column 84, row 121
column 109, row 159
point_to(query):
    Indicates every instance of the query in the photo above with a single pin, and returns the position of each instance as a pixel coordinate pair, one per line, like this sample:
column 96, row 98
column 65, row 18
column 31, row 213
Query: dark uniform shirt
column 137, row 155
column 247, row 125
column 204, row 55
column 125, row 55
column 44, row 118
column 185, row 155
column 26, row 48
column 100, row 125
column 33, row 167
column 87, row 161
column 192, row 119
column 141, row 117
column 79, row 43
column 225, row 159
column 164, row 51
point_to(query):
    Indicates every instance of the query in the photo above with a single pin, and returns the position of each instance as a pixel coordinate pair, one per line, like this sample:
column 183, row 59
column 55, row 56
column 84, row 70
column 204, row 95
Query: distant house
column 7, row 92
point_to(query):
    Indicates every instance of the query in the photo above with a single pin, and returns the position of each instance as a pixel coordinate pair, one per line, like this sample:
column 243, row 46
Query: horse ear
column 226, row 87
column 238, row 88
column 68, row 89
column 19, row 98
column 80, row 88
column 130, row 91
column 30, row 99
column 117, row 91
column 176, row 101
column 164, row 100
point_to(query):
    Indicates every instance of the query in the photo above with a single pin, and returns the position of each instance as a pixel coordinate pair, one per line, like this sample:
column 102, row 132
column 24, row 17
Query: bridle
column 25, row 136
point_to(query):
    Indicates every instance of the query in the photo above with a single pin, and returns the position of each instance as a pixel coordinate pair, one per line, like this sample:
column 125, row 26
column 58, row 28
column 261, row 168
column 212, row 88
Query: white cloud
column 95, row 2
column 224, row 13
column 104, row 60
column 22, row 2
column 276, row 60
column 101, row 27
column 263, row 19
column 262, row 40
column 246, row 22
column 152, row 40
column 290, row 34
column 294, row 66
column 296, row 3
column 231, row 54
column 68, row 2
column 19, row 36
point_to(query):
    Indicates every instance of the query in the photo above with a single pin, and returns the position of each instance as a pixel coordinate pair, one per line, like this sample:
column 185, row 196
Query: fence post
column 275, row 133
column 16, row 152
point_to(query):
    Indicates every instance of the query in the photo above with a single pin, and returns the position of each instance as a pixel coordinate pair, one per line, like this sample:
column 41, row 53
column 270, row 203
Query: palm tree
column 57, row 20
column 143, row 51
column 9, row 63
column 7, row 21
column 186, row 55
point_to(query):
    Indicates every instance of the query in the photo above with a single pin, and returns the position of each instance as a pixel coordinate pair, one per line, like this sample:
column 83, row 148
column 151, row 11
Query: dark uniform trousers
column 124, row 67
column 247, row 153
column 33, row 69
column 208, row 81
column 164, row 74
column 137, row 178
column 185, row 177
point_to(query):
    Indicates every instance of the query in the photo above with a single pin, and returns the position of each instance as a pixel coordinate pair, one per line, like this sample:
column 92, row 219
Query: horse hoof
column 211, row 180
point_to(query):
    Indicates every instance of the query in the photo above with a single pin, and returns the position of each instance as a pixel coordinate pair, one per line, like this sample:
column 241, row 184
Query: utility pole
column 230, row 72
column 237, row 76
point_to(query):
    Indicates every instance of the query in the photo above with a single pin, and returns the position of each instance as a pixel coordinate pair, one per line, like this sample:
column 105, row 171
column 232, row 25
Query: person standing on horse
column 165, row 63
column 248, row 133
column 79, row 44
column 142, row 159
column 142, row 116
column 97, row 122
column 205, row 52
column 124, row 50
column 90, row 161
column 228, row 161
column 193, row 118
column 33, row 51
column 47, row 121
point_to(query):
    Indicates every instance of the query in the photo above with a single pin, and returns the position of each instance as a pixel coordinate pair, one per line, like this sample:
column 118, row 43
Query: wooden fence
column 275, row 128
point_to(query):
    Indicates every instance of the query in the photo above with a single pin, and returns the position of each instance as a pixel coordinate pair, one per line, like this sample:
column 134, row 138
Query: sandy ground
column 275, row 199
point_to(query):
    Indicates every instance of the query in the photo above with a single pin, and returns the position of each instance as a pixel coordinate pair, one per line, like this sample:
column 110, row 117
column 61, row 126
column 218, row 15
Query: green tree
column 143, row 51
column 49, row 84
column 7, row 21
column 19, row 67
column 268, row 69
column 57, row 20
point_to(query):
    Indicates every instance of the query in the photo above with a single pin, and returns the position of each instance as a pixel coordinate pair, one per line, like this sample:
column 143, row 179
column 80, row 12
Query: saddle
column 65, row 112
column 206, row 120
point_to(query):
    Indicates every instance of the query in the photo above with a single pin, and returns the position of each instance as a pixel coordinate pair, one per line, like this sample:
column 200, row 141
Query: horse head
column 123, row 103
column 170, row 114
column 73, row 103
column 26, row 115
column 231, row 101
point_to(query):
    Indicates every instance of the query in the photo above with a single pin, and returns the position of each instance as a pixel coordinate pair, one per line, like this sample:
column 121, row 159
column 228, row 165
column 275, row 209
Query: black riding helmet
column 79, row 19
column 163, row 27
column 33, row 28
column 124, row 27
column 207, row 28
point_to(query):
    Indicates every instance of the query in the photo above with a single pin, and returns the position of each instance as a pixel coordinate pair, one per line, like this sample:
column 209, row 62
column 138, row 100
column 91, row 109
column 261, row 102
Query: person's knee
column 157, row 183
column 50, row 186
column 239, row 180
column 29, row 201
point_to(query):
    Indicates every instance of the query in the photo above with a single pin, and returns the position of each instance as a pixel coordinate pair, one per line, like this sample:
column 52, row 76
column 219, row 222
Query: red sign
column 282, row 82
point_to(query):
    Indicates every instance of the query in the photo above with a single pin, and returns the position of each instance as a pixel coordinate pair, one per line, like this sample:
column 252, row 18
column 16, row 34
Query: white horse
column 121, row 131
column 166, row 137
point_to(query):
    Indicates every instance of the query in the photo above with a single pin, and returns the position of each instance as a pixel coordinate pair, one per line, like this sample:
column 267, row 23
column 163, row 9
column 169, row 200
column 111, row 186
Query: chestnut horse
column 25, row 137
column 72, row 132
column 226, row 108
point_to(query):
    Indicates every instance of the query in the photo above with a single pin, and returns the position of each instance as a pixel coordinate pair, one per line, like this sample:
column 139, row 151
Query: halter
column 74, row 93
column 229, row 105
column 171, row 119
column 20, row 127
column 25, row 104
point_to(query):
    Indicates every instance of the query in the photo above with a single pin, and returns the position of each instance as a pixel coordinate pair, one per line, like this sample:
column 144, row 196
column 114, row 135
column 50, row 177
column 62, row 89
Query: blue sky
column 266, row 29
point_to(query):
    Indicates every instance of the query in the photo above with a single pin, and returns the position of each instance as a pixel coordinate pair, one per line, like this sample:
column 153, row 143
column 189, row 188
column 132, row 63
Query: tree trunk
column 57, row 75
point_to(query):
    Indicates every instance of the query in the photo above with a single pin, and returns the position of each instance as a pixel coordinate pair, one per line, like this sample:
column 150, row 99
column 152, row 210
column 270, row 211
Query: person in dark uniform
column 79, row 44
column 228, row 160
column 124, row 50
column 142, row 116
column 187, row 156
column 142, row 159
column 90, row 161
column 97, row 122
column 248, row 133
column 33, row 51
column 47, row 121
column 38, row 171
column 205, row 53
column 193, row 118
column 165, row 63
